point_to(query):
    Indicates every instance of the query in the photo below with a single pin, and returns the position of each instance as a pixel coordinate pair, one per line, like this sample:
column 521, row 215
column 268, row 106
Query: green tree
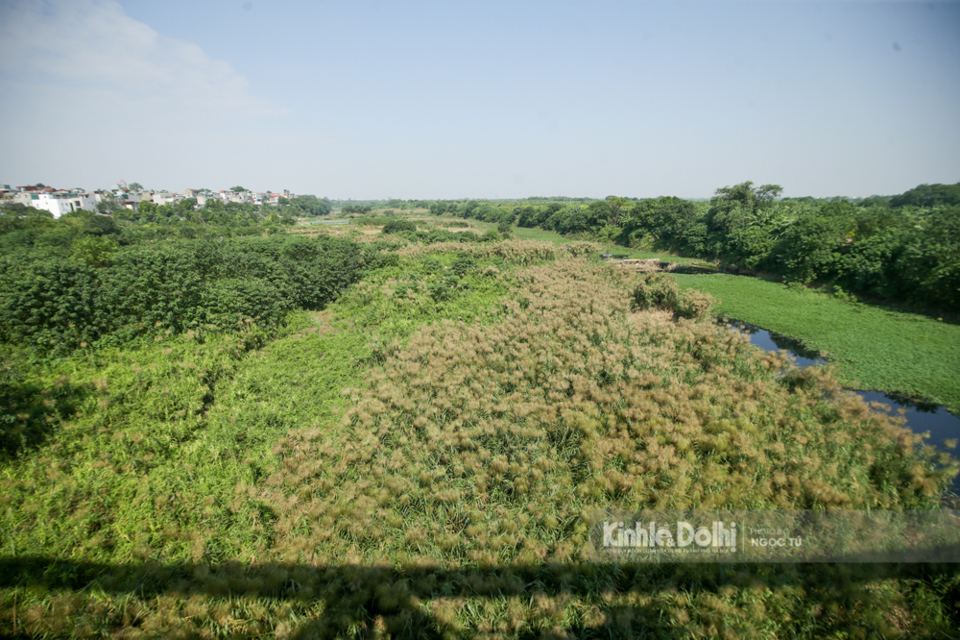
column 94, row 251
column 311, row 205
column 108, row 204
column 616, row 205
column 733, row 211
column 238, row 189
column 810, row 247
column 928, row 195
column 136, row 186
column 767, row 193
column 99, row 225
column 187, row 205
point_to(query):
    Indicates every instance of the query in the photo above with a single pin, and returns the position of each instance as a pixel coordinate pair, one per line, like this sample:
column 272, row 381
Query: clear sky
column 481, row 99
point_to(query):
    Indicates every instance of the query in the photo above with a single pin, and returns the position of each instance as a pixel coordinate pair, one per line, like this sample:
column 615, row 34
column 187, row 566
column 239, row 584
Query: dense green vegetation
column 398, row 435
column 27, row 229
column 60, row 304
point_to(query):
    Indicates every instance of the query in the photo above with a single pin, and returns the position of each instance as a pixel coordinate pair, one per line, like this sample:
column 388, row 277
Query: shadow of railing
column 29, row 413
column 356, row 596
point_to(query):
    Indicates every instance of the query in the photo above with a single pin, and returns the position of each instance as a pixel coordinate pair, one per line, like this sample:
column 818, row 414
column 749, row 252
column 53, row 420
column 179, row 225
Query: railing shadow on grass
column 29, row 413
column 356, row 596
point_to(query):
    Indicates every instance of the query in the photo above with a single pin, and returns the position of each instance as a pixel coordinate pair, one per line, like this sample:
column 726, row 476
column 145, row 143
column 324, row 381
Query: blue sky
column 481, row 99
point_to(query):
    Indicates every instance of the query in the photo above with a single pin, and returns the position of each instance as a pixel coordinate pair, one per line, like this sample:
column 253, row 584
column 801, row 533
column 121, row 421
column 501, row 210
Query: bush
column 397, row 226
column 50, row 304
column 463, row 264
column 94, row 251
column 523, row 252
column 444, row 289
column 582, row 248
column 658, row 291
column 442, row 235
column 233, row 301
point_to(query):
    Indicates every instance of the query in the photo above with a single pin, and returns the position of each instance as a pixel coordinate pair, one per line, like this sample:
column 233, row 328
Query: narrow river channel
column 920, row 416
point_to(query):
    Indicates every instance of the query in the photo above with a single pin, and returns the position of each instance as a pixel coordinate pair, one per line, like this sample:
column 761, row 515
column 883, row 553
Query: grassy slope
column 875, row 347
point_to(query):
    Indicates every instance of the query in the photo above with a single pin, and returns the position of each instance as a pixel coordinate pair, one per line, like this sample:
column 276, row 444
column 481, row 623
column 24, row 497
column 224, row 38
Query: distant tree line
column 903, row 248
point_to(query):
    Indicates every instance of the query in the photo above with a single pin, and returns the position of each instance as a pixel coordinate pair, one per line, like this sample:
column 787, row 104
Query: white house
column 58, row 202
column 165, row 197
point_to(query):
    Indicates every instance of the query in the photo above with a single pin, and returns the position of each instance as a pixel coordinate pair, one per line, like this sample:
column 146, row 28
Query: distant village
column 62, row 201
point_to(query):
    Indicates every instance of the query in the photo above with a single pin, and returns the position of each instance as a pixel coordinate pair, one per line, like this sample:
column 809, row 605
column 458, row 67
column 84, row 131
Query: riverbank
column 873, row 347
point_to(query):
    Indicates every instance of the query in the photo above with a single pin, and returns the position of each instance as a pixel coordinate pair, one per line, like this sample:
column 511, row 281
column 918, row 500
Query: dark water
column 921, row 416
column 769, row 341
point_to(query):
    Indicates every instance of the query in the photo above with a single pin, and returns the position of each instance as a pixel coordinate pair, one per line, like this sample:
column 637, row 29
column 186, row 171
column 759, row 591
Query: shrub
column 658, row 291
column 232, row 301
column 444, row 289
column 582, row 248
column 50, row 305
column 94, row 251
column 398, row 225
column 463, row 264
column 522, row 252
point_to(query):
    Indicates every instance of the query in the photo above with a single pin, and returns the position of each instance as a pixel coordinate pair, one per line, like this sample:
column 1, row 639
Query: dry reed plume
column 484, row 445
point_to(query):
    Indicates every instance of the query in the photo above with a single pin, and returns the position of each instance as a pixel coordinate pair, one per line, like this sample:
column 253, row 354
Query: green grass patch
column 874, row 347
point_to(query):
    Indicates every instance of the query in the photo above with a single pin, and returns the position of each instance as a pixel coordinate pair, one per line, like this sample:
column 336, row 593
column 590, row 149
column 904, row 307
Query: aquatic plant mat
column 874, row 347
column 424, row 462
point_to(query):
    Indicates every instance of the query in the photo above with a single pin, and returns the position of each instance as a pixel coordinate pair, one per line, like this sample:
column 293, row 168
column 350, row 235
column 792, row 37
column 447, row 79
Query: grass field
column 416, row 461
column 874, row 347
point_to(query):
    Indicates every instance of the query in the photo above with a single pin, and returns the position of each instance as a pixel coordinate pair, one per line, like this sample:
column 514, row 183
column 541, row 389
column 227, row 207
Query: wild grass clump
column 572, row 402
column 374, row 220
column 658, row 291
column 396, row 225
column 480, row 446
column 583, row 248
